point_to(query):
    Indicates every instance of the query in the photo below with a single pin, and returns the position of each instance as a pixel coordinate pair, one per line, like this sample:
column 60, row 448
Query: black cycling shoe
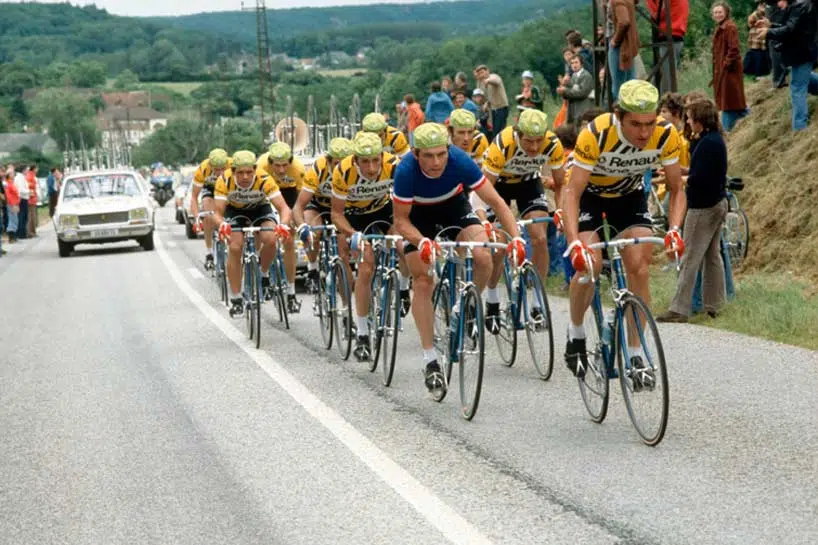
column 493, row 318
column 642, row 376
column 265, row 288
column 405, row 303
column 362, row 351
column 434, row 380
column 576, row 357
column 236, row 307
column 312, row 281
column 209, row 263
column 293, row 304
column 538, row 318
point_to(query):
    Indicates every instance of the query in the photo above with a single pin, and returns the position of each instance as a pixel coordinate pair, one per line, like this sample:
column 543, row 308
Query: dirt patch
column 780, row 172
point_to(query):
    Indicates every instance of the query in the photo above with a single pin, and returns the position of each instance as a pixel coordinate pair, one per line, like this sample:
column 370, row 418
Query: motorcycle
column 162, row 189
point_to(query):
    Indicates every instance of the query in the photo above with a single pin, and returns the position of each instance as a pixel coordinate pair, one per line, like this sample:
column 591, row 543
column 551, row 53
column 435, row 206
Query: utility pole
column 265, row 65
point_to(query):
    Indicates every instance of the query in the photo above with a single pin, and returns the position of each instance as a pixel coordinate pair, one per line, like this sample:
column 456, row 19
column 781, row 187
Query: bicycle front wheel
column 506, row 338
column 391, row 326
column 642, row 370
column 281, row 290
column 472, row 352
column 594, row 386
column 538, row 323
column 221, row 275
column 341, row 309
column 442, row 326
column 258, row 297
column 324, row 309
column 374, row 319
column 737, row 234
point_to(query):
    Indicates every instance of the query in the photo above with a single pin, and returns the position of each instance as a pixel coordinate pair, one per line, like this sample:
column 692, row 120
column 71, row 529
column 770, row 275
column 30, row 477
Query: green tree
column 239, row 134
column 87, row 74
column 126, row 80
column 68, row 116
column 181, row 142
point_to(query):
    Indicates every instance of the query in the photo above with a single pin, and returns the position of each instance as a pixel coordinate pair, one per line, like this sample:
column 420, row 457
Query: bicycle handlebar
column 256, row 229
column 544, row 219
column 621, row 243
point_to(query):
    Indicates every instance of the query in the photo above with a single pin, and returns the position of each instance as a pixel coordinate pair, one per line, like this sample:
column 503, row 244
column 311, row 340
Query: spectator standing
column 757, row 58
column 795, row 39
column 576, row 44
column 776, row 17
column 2, row 213
column 25, row 193
column 530, row 96
column 460, row 101
column 460, row 84
column 496, row 98
column 446, row 84
column 707, row 209
column 53, row 191
column 728, row 75
column 414, row 116
column 479, row 98
column 679, row 12
column 624, row 44
column 438, row 105
column 31, row 180
column 12, row 204
column 579, row 91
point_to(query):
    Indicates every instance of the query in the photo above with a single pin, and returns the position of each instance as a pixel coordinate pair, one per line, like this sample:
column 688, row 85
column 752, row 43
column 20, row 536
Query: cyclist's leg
column 313, row 218
column 290, row 197
column 539, row 243
column 482, row 256
column 422, row 310
column 236, row 218
column 266, row 240
column 209, row 205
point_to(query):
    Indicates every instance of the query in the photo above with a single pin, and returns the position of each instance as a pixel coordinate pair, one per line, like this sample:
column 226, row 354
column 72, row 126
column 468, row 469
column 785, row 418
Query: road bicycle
column 251, row 293
column 218, row 271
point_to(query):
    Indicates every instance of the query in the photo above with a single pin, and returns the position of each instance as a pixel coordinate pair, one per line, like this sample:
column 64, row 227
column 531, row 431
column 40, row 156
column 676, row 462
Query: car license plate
column 104, row 233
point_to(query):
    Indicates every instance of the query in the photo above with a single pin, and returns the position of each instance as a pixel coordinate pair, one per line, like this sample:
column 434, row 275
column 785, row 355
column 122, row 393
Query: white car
column 103, row 206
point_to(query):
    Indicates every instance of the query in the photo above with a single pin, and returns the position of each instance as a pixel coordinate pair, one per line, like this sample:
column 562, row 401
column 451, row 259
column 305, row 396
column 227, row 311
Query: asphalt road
column 133, row 410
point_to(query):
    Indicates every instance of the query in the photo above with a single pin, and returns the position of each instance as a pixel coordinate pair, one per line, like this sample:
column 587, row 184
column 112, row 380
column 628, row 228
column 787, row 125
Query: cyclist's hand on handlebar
column 558, row 219
column 197, row 226
column 516, row 250
column 674, row 244
column 225, row 230
column 283, row 231
column 356, row 241
column 304, row 233
column 581, row 257
column 427, row 248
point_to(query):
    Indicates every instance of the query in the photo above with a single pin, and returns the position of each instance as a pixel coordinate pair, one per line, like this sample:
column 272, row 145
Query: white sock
column 266, row 274
column 312, row 266
column 291, row 288
column 492, row 295
column 429, row 355
column 404, row 281
column 363, row 325
column 576, row 331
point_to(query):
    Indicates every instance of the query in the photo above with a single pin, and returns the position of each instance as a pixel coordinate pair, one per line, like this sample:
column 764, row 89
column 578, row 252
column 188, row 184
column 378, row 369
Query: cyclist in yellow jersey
column 243, row 198
column 314, row 204
column 288, row 172
column 463, row 133
column 610, row 160
column 393, row 140
column 204, row 183
column 361, row 188
column 515, row 162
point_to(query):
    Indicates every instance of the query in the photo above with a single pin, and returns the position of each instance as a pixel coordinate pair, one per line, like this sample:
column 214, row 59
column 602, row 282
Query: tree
column 68, row 116
column 181, row 142
column 87, row 74
column 126, row 80
column 239, row 134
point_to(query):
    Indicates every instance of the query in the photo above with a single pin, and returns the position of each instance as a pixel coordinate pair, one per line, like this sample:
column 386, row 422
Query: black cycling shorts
column 251, row 216
column 431, row 219
column 316, row 206
column 623, row 212
column 529, row 195
column 363, row 222
column 207, row 192
column 290, row 195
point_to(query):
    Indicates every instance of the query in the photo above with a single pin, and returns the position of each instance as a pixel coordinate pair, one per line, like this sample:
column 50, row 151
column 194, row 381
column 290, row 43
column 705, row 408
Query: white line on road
column 195, row 273
column 450, row 523
column 171, row 244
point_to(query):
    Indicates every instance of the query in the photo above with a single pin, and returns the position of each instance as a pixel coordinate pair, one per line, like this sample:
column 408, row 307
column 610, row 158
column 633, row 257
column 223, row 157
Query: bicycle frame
column 386, row 261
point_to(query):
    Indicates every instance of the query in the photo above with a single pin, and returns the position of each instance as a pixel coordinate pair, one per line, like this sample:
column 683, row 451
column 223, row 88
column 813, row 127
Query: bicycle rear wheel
column 645, row 386
column 594, row 387
column 538, row 327
column 281, row 290
column 374, row 319
column 506, row 338
column 322, row 302
column 442, row 325
column 221, row 275
column 391, row 326
column 258, row 297
column 472, row 352
column 341, row 309
column 737, row 234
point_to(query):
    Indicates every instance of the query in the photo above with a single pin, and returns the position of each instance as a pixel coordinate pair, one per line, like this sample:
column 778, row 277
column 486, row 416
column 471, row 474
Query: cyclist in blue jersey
column 429, row 196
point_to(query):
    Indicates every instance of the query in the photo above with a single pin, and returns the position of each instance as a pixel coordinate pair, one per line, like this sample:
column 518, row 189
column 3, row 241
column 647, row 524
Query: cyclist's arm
column 338, row 217
column 559, row 181
column 218, row 213
column 490, row 176
column 478, row 206
column 298, row 211
column 678, row 199
column 570, row 201
column 194, row 201
column 284, row 211
column 403, row 225
column 501, row 209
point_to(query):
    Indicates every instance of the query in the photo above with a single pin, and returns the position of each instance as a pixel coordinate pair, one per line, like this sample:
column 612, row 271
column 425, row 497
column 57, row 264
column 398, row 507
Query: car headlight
column 138, row 214
column 69, row 221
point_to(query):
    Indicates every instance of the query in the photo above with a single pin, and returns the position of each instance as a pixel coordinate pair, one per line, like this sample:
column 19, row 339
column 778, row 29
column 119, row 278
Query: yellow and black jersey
column 479, row 145
column 260, row 191
column 617, row 167
column 363, row 196
column 395, row 142
column 293, row 178
column 505, row 158
column 205, row 175
column 318, row 181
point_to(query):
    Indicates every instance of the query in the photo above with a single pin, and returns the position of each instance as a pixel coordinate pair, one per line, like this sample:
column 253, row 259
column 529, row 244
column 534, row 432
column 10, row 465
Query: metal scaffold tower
column 265, row 65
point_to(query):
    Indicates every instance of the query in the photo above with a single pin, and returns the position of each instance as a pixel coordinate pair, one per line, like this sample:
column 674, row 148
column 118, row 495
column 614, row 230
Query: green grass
column 181, row 87
column 42, row 216
column 342, row 73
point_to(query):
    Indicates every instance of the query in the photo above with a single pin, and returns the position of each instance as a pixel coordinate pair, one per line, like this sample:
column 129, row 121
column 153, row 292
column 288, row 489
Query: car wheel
column 189, row 232
column 147, row 242
column 65, row 248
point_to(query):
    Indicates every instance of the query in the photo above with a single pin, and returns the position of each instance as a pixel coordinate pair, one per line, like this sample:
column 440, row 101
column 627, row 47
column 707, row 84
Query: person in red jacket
column 679, row 11
column 31, row 180
column 12, row 205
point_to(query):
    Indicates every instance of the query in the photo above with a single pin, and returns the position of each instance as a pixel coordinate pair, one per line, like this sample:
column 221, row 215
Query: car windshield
column 104, row 185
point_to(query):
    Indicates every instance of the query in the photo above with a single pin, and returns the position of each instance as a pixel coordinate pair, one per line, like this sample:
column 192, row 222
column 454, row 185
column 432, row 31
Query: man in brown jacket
column 624, row 43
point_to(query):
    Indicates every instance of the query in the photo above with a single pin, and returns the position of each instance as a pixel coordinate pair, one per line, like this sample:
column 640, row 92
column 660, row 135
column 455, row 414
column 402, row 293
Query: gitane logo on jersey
column 524, row 165
column 246, row 196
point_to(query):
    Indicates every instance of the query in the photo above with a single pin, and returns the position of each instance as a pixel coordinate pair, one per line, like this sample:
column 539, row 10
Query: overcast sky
column 182, row 7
